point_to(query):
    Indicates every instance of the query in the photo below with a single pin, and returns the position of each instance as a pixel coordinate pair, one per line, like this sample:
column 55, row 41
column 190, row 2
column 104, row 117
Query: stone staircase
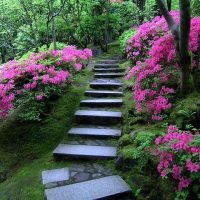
column 96, row 124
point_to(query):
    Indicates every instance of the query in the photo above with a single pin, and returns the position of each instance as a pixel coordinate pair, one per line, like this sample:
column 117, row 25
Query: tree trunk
column 53, row 33
column 141, row 5
column 47, row 37
column 185, row 57
column 169, row 5
column 181, row 42
column 3, row 54
column 106, row 34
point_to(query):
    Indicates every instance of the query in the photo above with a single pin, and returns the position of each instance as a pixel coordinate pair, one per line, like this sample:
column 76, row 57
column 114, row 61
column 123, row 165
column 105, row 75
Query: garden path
column 97, row 127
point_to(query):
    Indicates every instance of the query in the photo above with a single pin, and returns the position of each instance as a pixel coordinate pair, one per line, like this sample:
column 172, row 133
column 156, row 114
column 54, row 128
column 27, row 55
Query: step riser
column 107, row 61
column 101, row 104
column 95, row 132
column 105, row 86
column 80, row 157
column 91, row 94
column 94, row 136
column 108, row 75
column 97, row 120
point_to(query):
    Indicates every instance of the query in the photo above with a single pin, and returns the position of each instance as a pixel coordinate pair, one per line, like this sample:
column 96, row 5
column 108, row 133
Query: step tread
column 109, row 74
column 95, row 132
column 101, row 188
column 104, row 91
column 55, row 175
column 98, row 113
column 109, row 70
column 102, row 101
column 85, row 151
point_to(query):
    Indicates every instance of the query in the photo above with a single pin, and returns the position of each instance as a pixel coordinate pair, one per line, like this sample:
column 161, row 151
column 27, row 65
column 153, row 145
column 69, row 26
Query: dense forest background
column 36, row 25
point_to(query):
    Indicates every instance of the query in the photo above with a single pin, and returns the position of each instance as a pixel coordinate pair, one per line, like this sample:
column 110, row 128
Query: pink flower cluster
column 153, row 53
column 16, row 78
column 176, row 156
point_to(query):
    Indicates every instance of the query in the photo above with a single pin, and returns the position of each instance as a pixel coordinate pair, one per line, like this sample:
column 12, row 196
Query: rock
column 119, row 162
column 82, row 176
column 3, row 177
column 133, row 134
column 124, row 164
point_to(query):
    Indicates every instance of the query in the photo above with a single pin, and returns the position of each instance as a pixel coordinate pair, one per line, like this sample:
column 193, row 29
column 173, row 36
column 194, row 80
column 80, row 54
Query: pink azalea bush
column 39, row 75
column 153, row 55
column 179, row 156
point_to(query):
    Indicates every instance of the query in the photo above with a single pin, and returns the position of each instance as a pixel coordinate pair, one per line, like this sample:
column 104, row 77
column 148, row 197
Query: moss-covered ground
column 26, row 148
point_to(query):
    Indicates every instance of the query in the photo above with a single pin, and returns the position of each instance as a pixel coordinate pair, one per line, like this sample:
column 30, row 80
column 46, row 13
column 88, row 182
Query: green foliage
column 128, row 14
column 59, row 46
column 186, row 112
column 125, row 140
column 123, row 39
column 195, row 7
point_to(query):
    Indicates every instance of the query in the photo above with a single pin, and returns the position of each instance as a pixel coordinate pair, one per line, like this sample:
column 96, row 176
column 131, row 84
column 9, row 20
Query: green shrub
column 123, row 39
column 195, row 7
column 59, row 46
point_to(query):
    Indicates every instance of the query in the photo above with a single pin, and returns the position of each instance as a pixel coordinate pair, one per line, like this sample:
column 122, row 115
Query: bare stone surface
column 98, row 117
column 101, row 102
column 108, row 75
column 113, row 61
column 55, row 175
column 97, row 113
column 106, row 65
column 107, row 70
column 95, row 132
column 81, row 176
column 103, row 93
column 101, row 188
column 85, row 151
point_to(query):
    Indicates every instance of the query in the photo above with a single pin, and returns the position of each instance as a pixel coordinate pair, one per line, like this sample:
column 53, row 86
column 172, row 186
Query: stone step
column 55, row 175
column 101, row 102
column 107, row 70
column 108, row 85
column 103, row 93
column 98, row 117
column 106, row 66
column 108, row 75
column 96, row 132
column 85, row 151
column 103, row 188
column 113, row 61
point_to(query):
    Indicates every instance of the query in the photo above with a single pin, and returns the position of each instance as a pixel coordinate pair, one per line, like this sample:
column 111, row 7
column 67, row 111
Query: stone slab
column 102, row 132
column 106, row 66
column 98, row 117
column 85, row 151
column 101, row 102
column 107, row 70
column 108, row 75
column 109, row 85
column 113, row 61
column 103, row 93
column 55, row 175
column 102, row 188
